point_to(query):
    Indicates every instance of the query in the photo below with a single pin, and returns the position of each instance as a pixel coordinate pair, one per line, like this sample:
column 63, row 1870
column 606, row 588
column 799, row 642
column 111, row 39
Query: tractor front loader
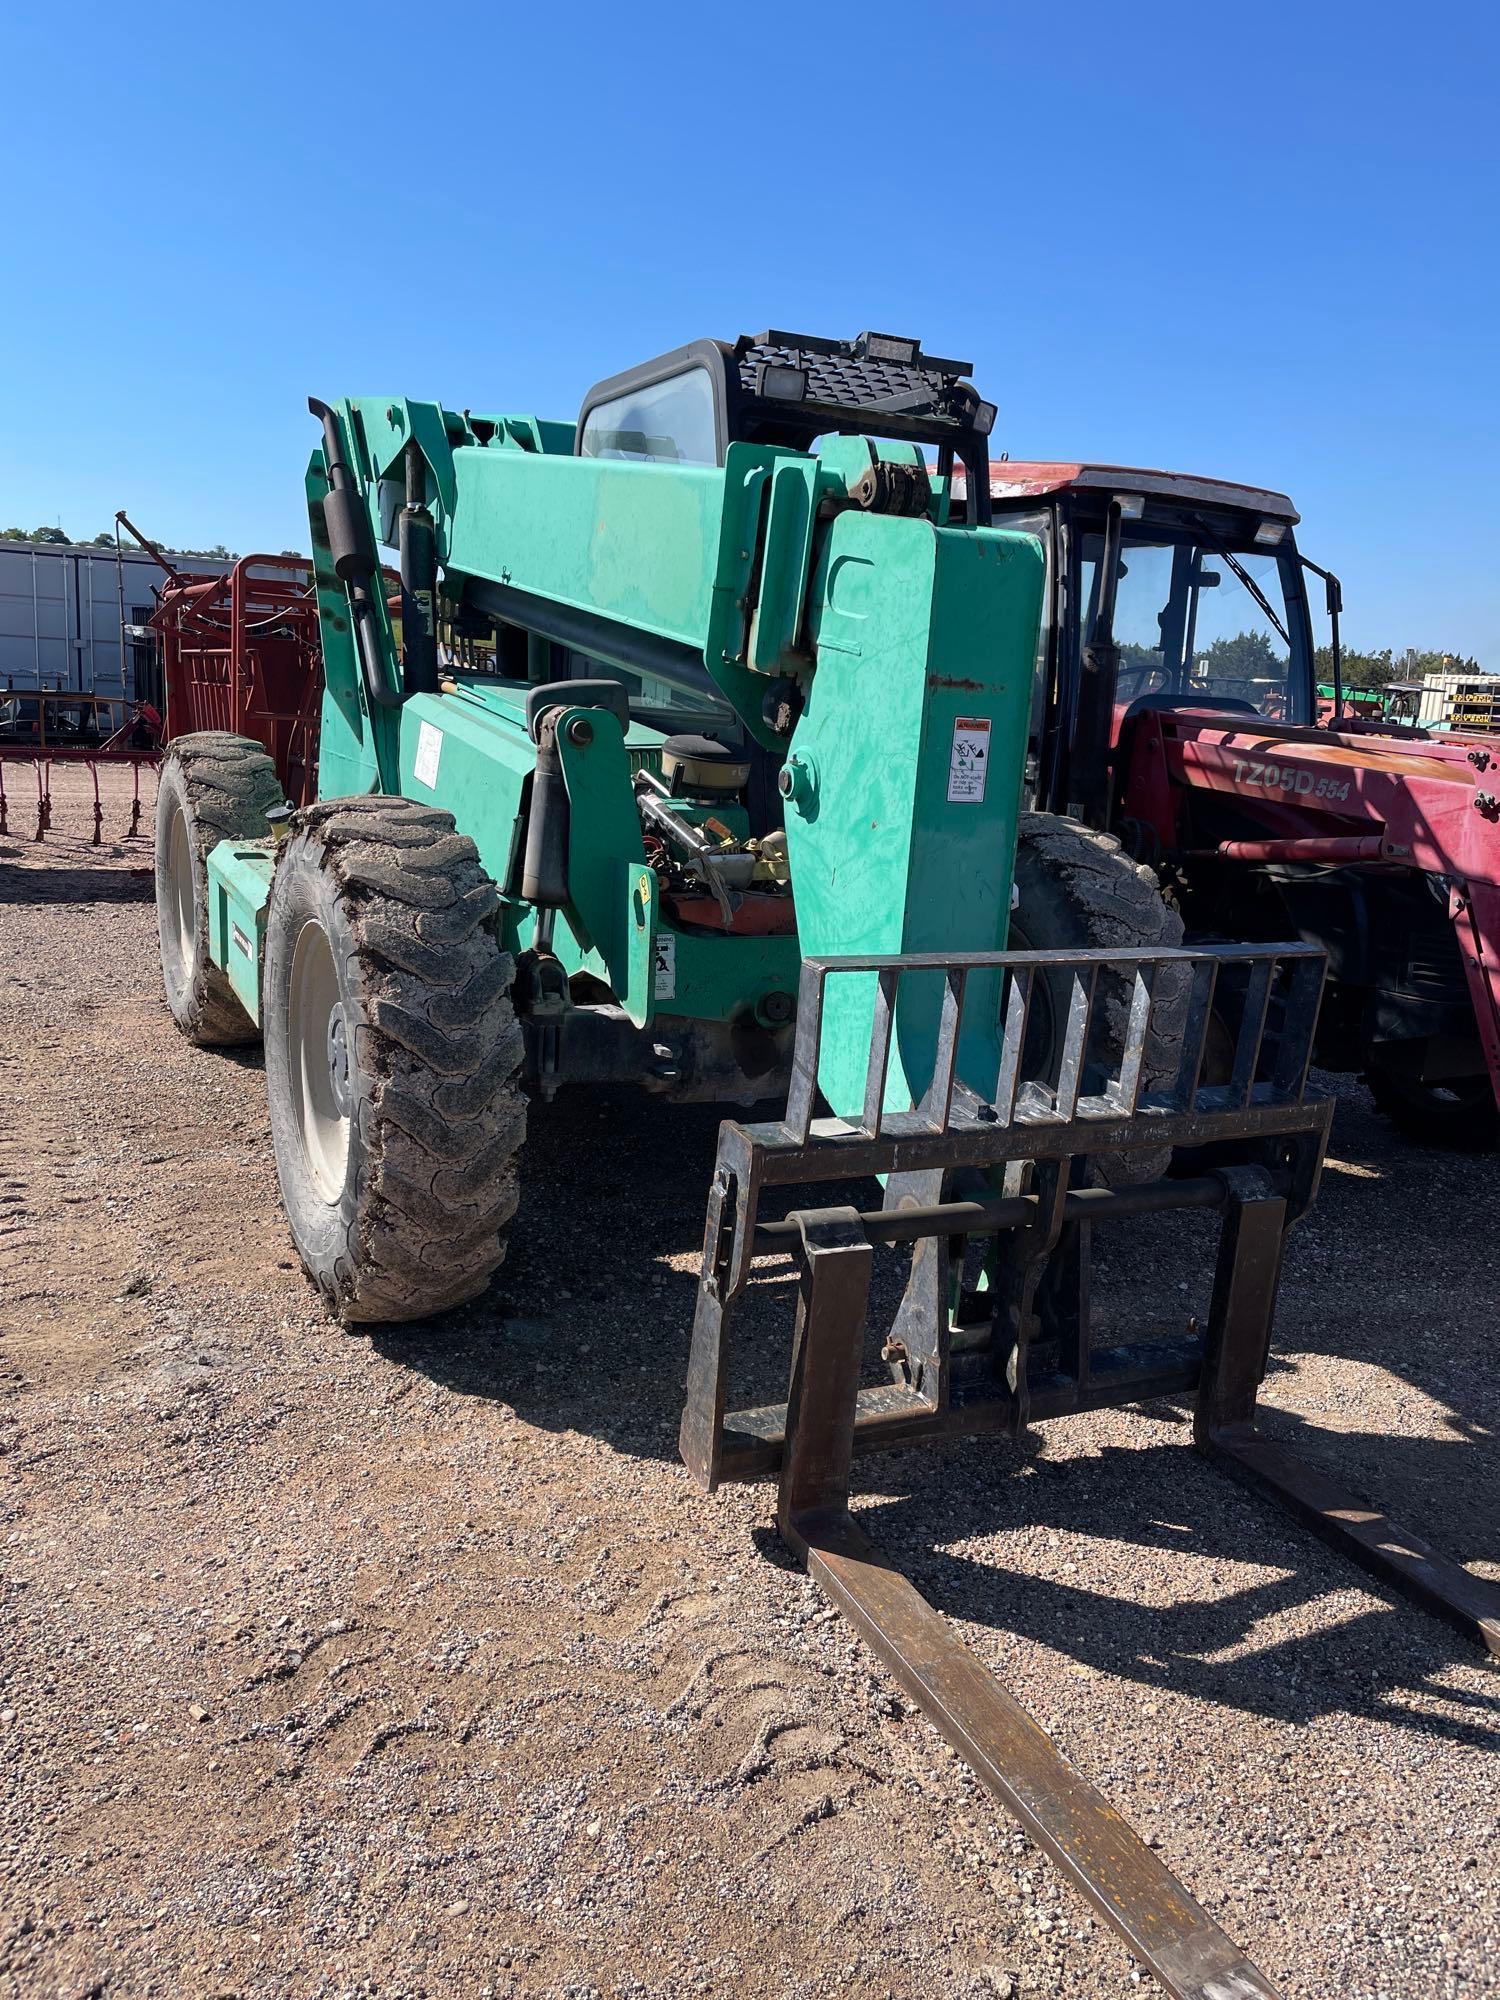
column 698, row 765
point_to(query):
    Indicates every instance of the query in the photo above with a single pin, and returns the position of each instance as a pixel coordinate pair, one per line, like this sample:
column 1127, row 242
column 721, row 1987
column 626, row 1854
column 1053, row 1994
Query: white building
column 60, row 605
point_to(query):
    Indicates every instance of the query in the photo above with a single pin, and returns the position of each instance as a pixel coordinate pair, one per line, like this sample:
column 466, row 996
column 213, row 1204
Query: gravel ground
column 415, row 1665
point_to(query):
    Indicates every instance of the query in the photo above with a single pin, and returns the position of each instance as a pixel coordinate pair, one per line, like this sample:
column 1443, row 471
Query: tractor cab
column 1164, row 592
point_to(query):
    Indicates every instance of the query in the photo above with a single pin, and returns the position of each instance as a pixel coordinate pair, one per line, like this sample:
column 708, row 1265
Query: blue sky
column 1260, row 243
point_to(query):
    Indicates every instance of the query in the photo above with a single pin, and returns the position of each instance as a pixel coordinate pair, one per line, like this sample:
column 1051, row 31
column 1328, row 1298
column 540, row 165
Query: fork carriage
column 1019, row 1347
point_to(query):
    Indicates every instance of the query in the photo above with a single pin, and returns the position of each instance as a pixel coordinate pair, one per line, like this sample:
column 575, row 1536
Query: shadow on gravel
column 1379, row 1663
column 587, row 1324
column 1395, row 1270
column 249, row 1055
column 587, row 1329
column 1452, row 1481
column 77, row 885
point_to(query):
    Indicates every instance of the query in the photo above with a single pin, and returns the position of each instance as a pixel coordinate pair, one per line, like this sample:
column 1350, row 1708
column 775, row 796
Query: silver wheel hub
column 318, row 1061
column 338, row 1060
column 179, row 926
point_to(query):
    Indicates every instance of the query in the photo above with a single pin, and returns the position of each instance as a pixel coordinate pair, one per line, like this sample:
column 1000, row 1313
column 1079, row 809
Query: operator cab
column 1200, row 583
column 690, row 406
column 1202, row 578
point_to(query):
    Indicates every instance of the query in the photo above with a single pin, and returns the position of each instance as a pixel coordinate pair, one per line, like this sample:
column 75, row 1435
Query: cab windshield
column 1204, row 615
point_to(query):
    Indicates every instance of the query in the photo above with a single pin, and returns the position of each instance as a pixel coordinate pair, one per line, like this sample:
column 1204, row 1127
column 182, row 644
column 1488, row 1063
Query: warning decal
column 664, row 984
column 429, row 749
column 969, row 760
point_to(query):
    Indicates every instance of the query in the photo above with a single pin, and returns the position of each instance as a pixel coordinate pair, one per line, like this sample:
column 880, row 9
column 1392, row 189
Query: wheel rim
column 319, row 1064
column 179, row 928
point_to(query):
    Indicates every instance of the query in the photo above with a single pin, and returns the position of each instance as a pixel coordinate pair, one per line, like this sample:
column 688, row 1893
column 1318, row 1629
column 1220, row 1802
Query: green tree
column 1135, row 656
column 1248, row 656
column 1416, row 662
column 1360, row 670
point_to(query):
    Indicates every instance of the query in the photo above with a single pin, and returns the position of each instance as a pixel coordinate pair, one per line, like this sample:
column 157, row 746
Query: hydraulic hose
column 418, row 544
column 544, row 867
column 353, row 550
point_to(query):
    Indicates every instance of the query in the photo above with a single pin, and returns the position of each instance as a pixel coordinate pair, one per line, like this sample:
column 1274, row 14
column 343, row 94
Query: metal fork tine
column 1017, row 1014
column 880, row 1048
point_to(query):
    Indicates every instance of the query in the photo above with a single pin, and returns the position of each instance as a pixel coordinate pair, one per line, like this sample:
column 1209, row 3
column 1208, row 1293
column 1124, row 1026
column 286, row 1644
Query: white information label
column 429, row 749
column 969, row 760
column 664, row 983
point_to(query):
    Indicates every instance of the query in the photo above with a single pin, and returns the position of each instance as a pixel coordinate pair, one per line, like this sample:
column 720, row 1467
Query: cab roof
column 1030, row 478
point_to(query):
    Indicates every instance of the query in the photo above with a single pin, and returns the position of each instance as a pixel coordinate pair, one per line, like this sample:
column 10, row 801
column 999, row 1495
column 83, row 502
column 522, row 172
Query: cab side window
column 671, row 422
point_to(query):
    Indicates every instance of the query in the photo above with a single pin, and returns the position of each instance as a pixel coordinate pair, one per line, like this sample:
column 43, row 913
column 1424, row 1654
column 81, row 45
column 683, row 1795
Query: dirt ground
column 415, row 1665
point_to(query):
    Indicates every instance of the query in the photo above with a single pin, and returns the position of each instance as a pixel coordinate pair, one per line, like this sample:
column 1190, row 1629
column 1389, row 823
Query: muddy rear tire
column 1080, row 891
column 392, row 1059
column 214, row 787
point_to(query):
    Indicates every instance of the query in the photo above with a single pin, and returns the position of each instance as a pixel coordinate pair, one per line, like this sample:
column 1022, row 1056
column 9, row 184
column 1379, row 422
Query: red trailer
column 240, row 652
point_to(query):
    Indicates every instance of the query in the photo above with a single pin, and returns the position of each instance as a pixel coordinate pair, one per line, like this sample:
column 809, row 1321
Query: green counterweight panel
column 906, row 772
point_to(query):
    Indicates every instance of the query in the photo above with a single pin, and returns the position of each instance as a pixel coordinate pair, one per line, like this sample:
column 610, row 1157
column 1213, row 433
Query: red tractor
column 1176, row 708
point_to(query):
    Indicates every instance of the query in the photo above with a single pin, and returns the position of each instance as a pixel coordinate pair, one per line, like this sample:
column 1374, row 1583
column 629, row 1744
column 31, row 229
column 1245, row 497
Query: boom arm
column 905, row 649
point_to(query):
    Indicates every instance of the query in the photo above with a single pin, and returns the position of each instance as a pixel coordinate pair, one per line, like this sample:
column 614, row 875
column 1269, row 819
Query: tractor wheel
column 214, row 787
column 392, row 1053
column 1460, row 1115
column 1080, row 891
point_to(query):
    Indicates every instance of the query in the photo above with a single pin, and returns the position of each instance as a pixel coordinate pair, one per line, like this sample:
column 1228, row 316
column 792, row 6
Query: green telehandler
column 684, row 746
